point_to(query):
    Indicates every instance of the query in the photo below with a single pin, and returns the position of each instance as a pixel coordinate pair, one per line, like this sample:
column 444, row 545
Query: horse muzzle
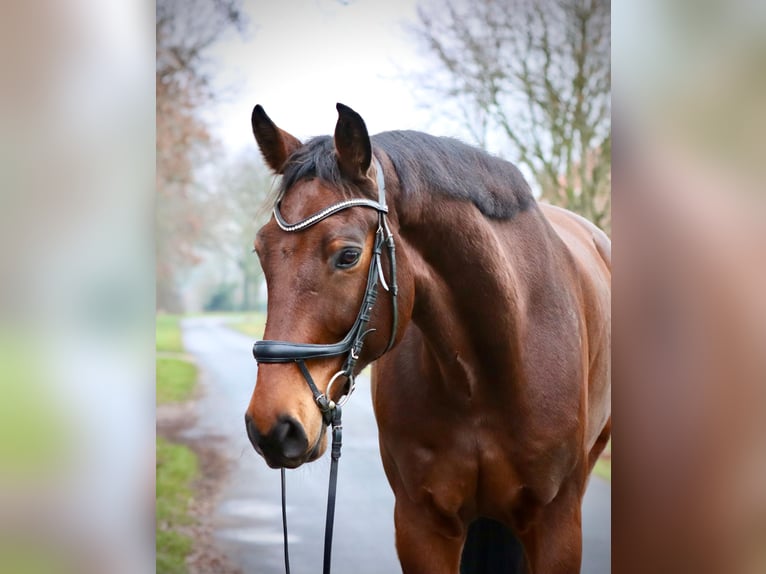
column 285, row 445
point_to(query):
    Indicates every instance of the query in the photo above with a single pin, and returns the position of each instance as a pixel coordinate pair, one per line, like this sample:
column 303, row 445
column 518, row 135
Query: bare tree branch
column 539, row 73
column 185, row 30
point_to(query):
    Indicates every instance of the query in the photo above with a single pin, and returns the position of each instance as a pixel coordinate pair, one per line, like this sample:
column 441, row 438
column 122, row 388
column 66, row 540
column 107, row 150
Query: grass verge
column 169, row 334
column 603, row 468
column 177, row 467
column 251, row 324
column 176, row 379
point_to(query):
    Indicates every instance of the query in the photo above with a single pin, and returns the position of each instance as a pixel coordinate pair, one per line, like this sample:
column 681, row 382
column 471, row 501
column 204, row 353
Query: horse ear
column 276, row 144
column 352, row 143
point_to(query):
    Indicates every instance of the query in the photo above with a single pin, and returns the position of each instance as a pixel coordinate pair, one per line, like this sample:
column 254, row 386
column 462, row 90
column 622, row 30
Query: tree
column 536, row 74
column 242, row 187
column 185, row 31
column 222, row 298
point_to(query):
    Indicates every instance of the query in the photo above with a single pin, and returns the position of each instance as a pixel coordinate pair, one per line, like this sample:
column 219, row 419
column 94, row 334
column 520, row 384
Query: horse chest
column 461, row 457
column 444, row 455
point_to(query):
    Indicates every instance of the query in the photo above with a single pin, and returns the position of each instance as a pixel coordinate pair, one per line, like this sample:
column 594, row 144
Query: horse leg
column 554, row 542
column 423, row 543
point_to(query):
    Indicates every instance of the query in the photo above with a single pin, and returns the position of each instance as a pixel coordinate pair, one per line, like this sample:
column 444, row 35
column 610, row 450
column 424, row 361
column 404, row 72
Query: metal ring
column 342, row 400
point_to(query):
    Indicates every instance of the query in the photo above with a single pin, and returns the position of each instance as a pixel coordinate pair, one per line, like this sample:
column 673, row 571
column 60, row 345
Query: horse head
column 319, row 274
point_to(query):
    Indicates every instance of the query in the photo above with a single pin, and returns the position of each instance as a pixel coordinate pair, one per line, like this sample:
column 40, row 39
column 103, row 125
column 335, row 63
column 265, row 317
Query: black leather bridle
column 351, row 345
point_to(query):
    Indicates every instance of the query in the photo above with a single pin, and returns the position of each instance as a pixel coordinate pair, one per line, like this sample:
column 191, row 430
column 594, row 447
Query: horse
column 491, row 357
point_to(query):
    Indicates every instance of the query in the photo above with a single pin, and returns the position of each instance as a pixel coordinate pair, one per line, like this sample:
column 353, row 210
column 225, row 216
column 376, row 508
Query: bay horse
column 492, row 389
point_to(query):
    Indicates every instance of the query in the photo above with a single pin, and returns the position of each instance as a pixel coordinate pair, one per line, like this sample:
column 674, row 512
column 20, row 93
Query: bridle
column 351, row 345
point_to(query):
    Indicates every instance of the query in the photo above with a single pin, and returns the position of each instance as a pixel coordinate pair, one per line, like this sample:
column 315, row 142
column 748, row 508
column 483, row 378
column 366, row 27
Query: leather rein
column 270, row 351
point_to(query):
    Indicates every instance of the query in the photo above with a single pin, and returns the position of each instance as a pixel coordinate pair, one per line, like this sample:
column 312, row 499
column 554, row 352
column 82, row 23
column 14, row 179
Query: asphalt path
column 247, row 522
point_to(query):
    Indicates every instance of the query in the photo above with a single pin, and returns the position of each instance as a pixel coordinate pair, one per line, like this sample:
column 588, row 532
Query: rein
column 269, row 351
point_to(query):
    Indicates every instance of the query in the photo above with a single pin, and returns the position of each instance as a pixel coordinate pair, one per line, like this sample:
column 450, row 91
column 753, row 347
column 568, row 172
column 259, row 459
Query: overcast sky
column 299, row 57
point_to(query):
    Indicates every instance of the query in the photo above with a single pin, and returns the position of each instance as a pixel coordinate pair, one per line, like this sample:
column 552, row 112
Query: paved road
column 248, row 518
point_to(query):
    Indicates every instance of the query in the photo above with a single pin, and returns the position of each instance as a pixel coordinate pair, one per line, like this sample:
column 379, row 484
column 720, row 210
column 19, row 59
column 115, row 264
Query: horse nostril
column 283, row 445
column 252, row 433
column 289, row 436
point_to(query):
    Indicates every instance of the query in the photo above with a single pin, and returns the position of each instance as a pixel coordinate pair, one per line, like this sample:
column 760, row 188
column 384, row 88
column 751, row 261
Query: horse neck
column 473, row 279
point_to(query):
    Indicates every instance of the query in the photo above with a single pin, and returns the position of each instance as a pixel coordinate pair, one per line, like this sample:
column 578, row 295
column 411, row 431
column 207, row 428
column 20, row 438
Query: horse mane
column 425, row 165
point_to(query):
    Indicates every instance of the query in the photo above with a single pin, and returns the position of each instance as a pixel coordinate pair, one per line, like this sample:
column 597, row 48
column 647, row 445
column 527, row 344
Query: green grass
column 177, row 467
column 603, row 468
column 251, row 324
column 169, row 334
column 176, row 379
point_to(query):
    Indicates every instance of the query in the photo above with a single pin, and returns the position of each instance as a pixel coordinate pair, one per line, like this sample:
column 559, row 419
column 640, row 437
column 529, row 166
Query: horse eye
column 347, row 258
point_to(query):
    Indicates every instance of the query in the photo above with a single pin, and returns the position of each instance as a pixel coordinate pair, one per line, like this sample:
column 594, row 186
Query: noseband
column 270, row 351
